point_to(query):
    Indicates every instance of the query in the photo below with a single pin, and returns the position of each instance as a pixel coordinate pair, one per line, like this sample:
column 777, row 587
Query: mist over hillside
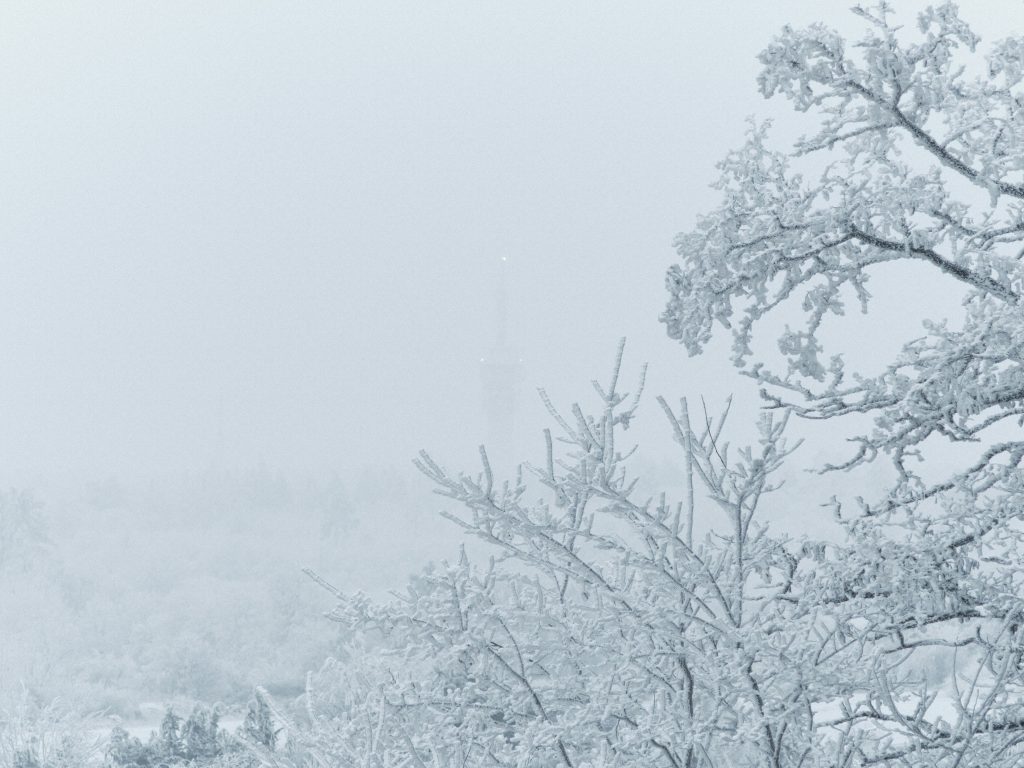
column 116, row 595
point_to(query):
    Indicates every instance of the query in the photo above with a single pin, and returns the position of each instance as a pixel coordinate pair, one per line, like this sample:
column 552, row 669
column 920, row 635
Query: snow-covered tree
column 603, row 631
column 22, row 530
column 170, row 741
column 200, row 735
column 258, row 726
column 918, row 139
column 922, row 147
column 127, row 751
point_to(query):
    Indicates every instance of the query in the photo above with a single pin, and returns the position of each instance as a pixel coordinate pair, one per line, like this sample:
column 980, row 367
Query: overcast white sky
column 244, row 231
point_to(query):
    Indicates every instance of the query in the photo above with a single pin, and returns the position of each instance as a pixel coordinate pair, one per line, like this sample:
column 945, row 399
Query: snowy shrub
column 34, row 735
column 601, row 631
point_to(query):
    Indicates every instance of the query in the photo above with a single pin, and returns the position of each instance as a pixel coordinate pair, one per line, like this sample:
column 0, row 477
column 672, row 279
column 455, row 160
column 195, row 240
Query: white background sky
column 244, row 231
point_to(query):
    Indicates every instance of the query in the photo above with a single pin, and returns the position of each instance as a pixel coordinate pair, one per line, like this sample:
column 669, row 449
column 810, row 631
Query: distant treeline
column 197, row 741
column 192, row 588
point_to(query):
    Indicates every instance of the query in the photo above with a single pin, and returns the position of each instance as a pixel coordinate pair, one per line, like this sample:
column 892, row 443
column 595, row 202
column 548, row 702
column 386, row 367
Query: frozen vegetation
column 186, row 589
column 586, row 621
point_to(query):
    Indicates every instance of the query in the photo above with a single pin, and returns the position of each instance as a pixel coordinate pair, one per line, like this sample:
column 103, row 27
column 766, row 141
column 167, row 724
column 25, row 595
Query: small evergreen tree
column 129, row 751
column 259, row 723
column 119, row 748
column 212, row 743
column 199, row 734
column 153, row 750
column 170, row 744
column 67, row 755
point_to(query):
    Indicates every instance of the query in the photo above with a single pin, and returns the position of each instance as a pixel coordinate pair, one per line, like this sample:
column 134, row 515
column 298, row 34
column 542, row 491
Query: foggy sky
column 236, row 232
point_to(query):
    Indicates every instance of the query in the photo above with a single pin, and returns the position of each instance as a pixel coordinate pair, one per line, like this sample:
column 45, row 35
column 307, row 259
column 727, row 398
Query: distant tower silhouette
column 501, row 371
